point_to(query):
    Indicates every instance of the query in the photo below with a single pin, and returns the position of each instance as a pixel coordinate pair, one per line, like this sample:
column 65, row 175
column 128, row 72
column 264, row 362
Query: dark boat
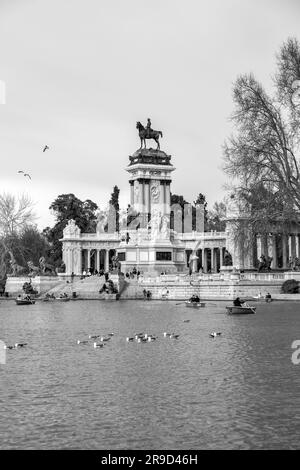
column 191, row 304
column 25, row 302
column 233, row 310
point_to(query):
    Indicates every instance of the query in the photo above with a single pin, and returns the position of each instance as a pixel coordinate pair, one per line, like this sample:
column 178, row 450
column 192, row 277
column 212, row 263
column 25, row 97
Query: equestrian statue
column 148, row 133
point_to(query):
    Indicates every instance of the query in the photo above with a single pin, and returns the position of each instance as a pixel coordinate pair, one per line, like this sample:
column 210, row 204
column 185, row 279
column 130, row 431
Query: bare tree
column 262, row 157
column 15, row 213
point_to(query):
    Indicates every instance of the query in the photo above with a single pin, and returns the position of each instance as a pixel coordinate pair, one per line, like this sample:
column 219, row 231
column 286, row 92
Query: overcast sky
column 79, row 74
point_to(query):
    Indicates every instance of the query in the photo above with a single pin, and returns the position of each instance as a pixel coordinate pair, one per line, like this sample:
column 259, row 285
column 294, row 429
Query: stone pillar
column 88, row 259
column 221, row 257
column 214, row 259
column 274, row 264
column 259, row 245
column 168, row 197
column 284, row 251
column 289, row 241
column 162, row 197
column 293, row 245
column 131, row 193
column 147, row 197
column 297, row 245
column 98, row 260
column 205, row 260
column 265, row 244
column 200, row 218
column 106, row 260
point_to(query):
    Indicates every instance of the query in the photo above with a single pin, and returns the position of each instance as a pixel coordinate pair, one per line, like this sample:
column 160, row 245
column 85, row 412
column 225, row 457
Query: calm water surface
column 238, row 391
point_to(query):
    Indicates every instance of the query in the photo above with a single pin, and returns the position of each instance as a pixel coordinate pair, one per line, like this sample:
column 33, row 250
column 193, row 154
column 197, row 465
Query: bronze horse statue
column 148, row 134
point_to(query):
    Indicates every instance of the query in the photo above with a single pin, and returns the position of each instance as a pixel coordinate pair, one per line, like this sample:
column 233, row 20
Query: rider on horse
column 148, row 128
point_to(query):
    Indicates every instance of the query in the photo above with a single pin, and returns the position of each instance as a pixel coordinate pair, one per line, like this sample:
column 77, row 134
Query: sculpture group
column 43, row 268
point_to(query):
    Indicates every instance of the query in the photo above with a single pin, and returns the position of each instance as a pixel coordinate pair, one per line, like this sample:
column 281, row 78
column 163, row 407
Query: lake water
column 238, row 391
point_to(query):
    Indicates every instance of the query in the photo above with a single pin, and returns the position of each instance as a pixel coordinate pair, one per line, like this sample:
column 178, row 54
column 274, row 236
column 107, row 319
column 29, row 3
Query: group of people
column 132, row 274
column 147, row 294
column 108, row 287
column 195, row 299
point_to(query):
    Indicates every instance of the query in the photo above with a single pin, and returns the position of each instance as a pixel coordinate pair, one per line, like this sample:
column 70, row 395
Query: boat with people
column 240, row 310
column 240, row 307
column 194, row 302
column 27, row 300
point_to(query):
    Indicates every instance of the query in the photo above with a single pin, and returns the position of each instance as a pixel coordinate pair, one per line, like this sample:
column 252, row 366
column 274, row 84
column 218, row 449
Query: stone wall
column 41, row 283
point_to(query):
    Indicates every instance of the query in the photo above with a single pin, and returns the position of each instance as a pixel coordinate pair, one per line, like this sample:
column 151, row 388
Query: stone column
column 168, row 197
column 88, row 259
column 162, row 197
column 284, row 251
column 274, row 252
column 214, row 259
column 297, row 245
column 106, row 260
column 221, row 257
column 265, row 244
column 147, row 197
column 259, row 245
column 131, row 193
column 289, row 241
column 205, row 260
column 293, row 245
column 98, row 260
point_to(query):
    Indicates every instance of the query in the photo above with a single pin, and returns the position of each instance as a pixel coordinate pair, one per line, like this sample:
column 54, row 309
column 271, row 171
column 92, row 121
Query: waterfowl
column 142, row 340
column 151, row 338
column 82, row 342
column 214, row 334
column 129, row 339
column 94, row 336
column 174, row 336
column 104, row 339
column 111, row 334
column 20, row 345
column 9, row 347
column 186, row 321
column 166, row 334
column 98, row 345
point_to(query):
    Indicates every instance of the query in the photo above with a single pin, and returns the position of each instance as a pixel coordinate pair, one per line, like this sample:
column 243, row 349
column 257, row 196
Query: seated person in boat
column 268, row 297
column 238, row 302
column 27, row 297
column 195, row 298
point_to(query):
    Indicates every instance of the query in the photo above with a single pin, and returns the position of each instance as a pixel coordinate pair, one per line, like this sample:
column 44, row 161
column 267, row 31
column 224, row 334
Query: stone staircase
column 87, row 288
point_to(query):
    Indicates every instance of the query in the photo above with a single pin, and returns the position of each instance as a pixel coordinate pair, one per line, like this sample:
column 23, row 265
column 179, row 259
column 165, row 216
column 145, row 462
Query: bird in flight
column 24, row 174
column 45, row 148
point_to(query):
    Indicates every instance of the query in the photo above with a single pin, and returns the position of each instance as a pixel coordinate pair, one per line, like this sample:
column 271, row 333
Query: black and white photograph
column 149, row 228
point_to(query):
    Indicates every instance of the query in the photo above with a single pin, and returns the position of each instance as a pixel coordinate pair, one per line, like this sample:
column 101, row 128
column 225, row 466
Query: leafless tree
column 15, row 213
column 262, row 157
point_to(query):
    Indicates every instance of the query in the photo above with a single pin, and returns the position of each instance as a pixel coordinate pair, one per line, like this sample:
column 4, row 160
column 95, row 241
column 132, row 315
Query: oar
column 247, row 305
column 180, row 303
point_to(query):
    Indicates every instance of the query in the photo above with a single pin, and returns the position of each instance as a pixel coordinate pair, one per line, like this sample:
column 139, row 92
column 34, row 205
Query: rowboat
column 25, row 302
column 190, row 304
column 233, row 310
column 63, row 299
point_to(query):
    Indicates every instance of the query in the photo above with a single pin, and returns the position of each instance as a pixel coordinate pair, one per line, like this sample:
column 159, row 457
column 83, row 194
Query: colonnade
column 96, row 258
column 281, row 247
column 209, row 259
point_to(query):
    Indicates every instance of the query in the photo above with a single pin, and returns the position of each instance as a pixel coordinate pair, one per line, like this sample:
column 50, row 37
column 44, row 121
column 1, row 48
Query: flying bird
column 20, row 171
column 45, row 148
column 26, row 174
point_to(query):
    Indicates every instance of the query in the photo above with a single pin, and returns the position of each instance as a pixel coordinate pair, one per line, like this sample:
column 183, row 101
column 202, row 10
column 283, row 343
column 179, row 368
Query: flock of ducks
column 100, row 341
column 137, row 337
